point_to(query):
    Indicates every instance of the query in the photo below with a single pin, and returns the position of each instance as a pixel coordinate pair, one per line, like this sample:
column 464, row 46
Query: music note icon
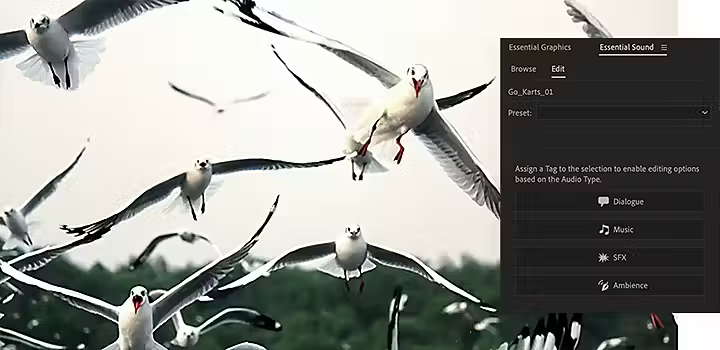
column 604, row 230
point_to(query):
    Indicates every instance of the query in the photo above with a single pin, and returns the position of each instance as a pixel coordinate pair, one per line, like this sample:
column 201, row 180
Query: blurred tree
column 315, row 310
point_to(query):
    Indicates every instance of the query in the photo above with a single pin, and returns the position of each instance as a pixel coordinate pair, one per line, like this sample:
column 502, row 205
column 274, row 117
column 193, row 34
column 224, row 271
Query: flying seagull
column 397, row 304
column 16, row 220
column 408, row 105
column 349, row 257
column 187, row 336
column 361, row 158
column 219, row 107
column 591, row 25
column 259, row 18
column 38, row 258
column 12, row 336
column 57, row 59
column 556, row 334
column 192, row 185
column 187, row 236
column 137, row 318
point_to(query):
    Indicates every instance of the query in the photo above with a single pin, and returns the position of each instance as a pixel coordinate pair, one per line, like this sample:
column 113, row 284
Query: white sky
column 143, row 132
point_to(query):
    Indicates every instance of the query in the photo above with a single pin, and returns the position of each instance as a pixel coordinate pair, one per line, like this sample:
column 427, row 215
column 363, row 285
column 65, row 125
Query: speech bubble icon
column 603, row 200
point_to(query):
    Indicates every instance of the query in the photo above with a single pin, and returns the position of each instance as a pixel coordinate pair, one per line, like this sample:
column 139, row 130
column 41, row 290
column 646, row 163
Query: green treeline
column 315, row 310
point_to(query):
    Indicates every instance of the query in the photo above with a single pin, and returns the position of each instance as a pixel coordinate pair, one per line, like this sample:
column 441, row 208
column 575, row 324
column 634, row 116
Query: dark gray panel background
column 613, row 111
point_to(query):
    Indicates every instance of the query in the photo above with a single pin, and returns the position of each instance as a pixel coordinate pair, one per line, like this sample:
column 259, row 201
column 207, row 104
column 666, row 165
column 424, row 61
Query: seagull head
column 203, row 165
column 353, row 231
column 418, row 77
column 138, row 296
column 40, row 23
column 8, row 211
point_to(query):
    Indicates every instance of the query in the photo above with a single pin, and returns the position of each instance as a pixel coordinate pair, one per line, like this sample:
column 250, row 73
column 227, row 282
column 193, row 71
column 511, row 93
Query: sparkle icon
column 603, row 258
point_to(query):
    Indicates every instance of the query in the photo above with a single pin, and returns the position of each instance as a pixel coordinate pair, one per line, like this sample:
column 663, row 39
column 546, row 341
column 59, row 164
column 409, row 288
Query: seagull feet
column 398, row 156
column 67, row 73
column 202, row 208
column 56, row 79
column 362, row 286
column 347, row 285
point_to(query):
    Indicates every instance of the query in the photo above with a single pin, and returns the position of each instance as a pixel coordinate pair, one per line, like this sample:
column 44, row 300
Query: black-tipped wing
column 13, row 43
column 151, row 196
column 16, row 337
column 149, row 249
column 191, row 95
column 92, row 17
column 293, row 257
column 205, row 279
column 2, row 221
column 460, row 164
column 250, row 164
column 333, row 108
column 38, row 258
column 50, row 187
column 450, row 101
column 591, row 25
column 75, row 299
column 407, row 262
column 260, row 18
column 240, row 315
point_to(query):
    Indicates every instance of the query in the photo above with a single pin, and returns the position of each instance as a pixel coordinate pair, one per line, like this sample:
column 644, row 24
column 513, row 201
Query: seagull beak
column 417, row 84
column 137, row 302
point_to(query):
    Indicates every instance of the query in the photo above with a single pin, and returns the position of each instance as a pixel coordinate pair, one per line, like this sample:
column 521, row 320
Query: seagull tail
column 36, row 69
column 83, row 59
column 372, row 165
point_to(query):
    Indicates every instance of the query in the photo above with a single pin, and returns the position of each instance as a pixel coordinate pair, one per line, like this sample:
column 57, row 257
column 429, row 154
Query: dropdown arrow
column 704, row 112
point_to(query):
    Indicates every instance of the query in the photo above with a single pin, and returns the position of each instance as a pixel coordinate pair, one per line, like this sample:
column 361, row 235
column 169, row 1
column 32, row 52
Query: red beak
column 417, row 84
column 137, row 302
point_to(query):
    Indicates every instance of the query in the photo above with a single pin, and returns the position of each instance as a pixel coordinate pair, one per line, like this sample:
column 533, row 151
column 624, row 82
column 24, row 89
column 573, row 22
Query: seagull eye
column 143, row 293
column 412, row 71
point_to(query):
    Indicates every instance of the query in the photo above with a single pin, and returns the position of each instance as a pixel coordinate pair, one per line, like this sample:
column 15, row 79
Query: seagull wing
column 247, row 346
column 13, row 336
column 240, row 315
column 204, row 280
column 191, row 95
column 407, row 262
column 450, row 101
column 149, row 249
column 396, row 305
column 333, row 108
column 250, row 164
column 38, row 258
column 250, row 98
column 460, row 164
column 259, row 18
column 50, row 187
column 13, row 43
column 92, row 17
column 75, row 299
column 151, row 196
column 2, row 221
column 592, row 26
column 293, row 257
